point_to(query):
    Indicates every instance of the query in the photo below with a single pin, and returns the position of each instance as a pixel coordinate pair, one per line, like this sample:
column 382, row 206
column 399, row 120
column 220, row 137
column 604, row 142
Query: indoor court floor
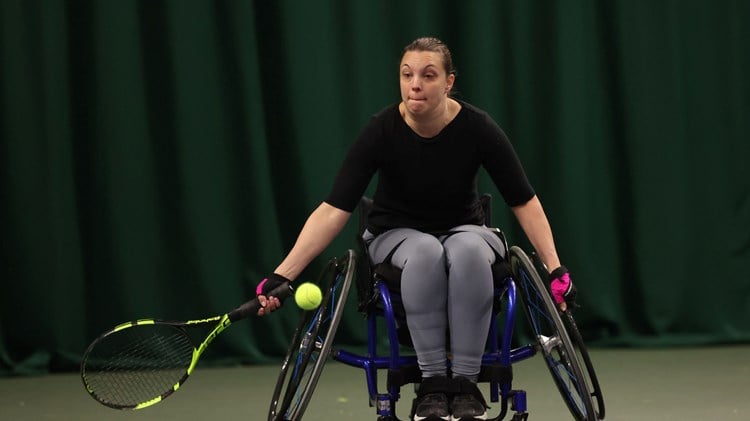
column 680, row 384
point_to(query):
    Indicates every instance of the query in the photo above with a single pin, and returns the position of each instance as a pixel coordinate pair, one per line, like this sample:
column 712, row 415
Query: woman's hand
column 269, row 304
column 563, row 290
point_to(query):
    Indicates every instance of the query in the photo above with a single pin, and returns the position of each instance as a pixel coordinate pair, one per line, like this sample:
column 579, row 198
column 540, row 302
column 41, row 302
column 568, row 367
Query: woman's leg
column 470, row 254
column 424, row 292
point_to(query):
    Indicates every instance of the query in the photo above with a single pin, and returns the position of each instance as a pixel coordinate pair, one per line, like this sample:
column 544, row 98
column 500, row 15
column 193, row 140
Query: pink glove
column 563, row 290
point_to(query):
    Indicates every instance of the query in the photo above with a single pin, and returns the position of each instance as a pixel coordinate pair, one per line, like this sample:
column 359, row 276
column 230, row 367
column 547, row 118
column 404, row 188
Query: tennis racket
column 140, row 363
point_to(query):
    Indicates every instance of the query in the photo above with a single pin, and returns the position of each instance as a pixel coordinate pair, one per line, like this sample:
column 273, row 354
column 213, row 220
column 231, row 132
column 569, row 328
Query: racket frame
column 223, row 321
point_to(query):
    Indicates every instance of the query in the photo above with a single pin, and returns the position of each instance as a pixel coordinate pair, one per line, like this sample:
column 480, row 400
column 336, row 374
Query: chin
column 417, row 107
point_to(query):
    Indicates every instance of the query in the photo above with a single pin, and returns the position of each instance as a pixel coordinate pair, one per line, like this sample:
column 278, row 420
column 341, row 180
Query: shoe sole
column 479, row 418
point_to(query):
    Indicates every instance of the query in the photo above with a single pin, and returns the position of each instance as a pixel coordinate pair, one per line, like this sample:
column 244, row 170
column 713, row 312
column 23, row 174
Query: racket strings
column 138, row 364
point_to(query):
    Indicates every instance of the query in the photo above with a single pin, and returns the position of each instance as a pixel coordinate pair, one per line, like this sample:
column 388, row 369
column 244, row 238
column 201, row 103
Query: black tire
column 558, row 351
column 583, row 355
column 312, row 341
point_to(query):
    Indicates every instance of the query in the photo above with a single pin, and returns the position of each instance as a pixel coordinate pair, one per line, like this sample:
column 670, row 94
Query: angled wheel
column 582, row 352
column 560, row 355
column 312, row 341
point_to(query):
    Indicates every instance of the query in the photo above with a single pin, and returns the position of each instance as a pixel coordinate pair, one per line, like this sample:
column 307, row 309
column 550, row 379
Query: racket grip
column 251, row 307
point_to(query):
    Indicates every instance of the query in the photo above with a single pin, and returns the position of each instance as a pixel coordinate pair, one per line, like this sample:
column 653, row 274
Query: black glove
column 270, row 283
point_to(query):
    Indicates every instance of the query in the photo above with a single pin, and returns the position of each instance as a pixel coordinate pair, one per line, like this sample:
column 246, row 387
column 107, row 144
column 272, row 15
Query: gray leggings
column 446, row 283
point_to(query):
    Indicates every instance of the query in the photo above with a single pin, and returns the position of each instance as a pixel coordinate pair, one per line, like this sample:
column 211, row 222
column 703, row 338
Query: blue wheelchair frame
column 500, row 356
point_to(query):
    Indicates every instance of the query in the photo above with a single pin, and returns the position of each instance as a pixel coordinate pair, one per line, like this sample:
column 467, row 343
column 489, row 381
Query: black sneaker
column 468, row 404
column 467, row 407
column 431, row 407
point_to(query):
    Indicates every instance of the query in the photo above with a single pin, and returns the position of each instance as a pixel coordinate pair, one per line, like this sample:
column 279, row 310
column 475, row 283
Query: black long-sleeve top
column 429, row 184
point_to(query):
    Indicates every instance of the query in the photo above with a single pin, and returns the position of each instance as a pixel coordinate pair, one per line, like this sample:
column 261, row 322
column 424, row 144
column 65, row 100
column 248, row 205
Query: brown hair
column 433, row 45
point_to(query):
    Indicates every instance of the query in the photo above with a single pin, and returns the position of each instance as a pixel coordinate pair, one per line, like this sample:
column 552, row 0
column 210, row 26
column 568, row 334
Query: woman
column 427, row 151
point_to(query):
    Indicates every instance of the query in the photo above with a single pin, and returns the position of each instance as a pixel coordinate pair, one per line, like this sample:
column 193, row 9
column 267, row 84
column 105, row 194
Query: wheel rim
column 557, row 349
column 311, row 343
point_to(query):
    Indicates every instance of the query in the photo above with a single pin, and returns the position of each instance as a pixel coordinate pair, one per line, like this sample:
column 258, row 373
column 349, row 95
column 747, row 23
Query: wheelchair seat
column 369, row 274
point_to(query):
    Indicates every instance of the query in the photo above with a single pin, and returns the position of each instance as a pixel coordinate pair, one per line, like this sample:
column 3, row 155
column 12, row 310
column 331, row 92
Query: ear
column 450, row 79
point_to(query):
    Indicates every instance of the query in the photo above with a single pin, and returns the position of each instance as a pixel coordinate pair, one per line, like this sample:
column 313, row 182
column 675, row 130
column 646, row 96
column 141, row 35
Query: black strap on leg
column 439, row 384
column 389, row 273
column 464, row 386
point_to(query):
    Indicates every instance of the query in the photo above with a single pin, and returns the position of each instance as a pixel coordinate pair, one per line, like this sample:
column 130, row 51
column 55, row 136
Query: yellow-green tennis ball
column 308, row 296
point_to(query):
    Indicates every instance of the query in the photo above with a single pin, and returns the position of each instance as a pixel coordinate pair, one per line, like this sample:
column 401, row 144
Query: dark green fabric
column 158, row 157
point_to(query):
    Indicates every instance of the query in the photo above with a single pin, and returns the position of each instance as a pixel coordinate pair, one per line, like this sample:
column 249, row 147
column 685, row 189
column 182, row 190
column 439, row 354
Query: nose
column 416, row 83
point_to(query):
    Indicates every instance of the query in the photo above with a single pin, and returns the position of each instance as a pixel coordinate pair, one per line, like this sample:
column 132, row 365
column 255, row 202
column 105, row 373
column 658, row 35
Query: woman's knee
column 422, row 249
column 468, row 248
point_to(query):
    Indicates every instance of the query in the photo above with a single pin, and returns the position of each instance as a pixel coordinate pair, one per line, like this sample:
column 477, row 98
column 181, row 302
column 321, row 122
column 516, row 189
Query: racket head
column 138, row 364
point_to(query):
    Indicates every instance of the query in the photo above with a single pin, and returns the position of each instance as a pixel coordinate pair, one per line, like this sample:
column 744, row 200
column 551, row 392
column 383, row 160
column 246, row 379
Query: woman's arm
column 535, row 225
column 322, row 226
column 534, row 222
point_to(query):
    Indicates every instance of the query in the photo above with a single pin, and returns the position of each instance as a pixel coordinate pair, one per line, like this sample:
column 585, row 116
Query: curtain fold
column 158, row 158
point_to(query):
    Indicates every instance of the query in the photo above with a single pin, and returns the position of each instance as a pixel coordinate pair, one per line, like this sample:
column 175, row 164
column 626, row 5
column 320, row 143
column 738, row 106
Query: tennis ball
column 308, row 296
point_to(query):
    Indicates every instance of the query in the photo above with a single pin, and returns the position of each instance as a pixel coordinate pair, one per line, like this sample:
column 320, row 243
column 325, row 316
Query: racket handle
column 251, row 307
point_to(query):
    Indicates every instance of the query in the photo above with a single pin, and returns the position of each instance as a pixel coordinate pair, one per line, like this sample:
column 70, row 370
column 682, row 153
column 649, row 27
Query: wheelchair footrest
column 404, row 375
column 496, row 373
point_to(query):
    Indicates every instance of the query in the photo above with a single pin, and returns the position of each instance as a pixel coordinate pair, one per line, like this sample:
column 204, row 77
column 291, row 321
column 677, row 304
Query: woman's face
column 424, row 81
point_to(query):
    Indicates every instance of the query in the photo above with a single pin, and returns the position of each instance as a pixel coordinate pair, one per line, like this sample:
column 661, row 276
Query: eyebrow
column 425, row 67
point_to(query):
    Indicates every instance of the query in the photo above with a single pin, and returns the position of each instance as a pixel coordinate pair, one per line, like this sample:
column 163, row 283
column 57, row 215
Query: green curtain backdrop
column 157, row 158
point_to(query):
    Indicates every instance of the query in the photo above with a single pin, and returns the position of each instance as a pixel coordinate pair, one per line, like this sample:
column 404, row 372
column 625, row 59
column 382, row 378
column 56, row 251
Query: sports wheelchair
column 555, row 337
